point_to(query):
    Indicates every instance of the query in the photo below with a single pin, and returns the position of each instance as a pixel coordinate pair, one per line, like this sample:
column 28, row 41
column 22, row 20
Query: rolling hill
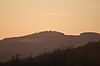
column 46, row 41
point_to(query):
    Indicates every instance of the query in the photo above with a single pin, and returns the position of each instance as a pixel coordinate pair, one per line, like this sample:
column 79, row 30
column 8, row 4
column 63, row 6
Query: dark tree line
column 87, row 55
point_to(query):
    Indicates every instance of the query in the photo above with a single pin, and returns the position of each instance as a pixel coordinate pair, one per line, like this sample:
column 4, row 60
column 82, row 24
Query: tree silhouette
column 87, row 55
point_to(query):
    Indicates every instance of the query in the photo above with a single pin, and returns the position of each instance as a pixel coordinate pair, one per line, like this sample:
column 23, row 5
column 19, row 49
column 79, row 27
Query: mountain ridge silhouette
column 46, row 41
column 51, row 32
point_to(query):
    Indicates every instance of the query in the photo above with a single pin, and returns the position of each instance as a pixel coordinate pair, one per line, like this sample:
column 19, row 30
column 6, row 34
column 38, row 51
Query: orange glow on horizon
column 22, row 17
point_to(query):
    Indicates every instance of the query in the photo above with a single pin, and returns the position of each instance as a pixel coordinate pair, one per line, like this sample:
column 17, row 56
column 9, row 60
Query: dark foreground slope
column 87, row 55
column 38, row 43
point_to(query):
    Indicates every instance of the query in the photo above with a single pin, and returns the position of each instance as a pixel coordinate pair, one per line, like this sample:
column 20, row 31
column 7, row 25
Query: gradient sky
column 21, row 17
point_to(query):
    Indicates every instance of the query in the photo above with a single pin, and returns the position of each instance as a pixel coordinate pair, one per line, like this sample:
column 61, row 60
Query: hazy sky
column 20, row 17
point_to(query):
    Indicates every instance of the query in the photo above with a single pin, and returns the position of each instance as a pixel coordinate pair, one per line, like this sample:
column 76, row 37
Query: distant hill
column 46, row 41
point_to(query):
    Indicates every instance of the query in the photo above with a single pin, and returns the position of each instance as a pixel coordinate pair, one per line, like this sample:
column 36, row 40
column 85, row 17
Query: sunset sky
column 22, row 17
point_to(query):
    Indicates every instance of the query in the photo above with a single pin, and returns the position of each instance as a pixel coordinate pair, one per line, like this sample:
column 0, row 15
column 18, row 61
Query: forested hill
column 46, row 41
column 87, row 55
